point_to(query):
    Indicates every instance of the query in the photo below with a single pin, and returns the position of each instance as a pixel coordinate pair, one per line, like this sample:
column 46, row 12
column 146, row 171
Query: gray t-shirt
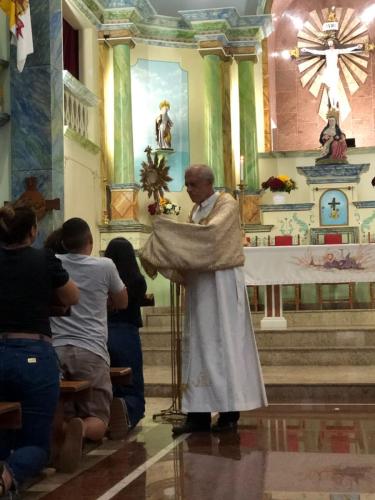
column 86, row 326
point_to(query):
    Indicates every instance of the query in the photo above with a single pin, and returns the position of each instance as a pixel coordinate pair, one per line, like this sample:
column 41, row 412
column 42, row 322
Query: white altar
column 288, row 265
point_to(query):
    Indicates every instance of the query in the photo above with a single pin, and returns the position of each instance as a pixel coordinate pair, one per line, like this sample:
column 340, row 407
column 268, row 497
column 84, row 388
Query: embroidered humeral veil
column 220, row 364
column 213, row 244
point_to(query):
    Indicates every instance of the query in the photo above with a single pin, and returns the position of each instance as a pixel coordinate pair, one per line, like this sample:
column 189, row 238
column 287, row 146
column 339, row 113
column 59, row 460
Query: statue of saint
column 333, row 141
column 163, row 125
column 331, row 75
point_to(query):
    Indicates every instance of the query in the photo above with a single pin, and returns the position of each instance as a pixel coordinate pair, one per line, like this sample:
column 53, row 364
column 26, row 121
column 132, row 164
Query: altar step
column 348, row 345
column 159, row 316
column 323, row 356
column 293, row 384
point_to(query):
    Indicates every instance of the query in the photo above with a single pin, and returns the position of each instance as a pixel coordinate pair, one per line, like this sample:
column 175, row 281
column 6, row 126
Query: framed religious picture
column 333, row 208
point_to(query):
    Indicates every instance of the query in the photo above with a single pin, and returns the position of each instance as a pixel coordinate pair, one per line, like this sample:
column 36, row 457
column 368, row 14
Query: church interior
column 278, row 98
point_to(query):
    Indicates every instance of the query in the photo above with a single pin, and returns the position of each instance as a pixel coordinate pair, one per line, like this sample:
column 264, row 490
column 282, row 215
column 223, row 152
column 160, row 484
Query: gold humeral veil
column 175, row 248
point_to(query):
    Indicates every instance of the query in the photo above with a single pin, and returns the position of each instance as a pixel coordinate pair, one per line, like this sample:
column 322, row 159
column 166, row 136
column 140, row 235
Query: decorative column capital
column 214, row 47
column 248, row 53
column 117, row 37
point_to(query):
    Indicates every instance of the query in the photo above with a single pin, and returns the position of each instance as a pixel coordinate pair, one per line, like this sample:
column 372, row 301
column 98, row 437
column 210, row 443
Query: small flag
column 18, row 12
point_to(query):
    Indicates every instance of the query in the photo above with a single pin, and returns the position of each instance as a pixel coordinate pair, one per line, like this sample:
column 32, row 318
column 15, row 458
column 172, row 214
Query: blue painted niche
column 334, row 209
column 152, row 83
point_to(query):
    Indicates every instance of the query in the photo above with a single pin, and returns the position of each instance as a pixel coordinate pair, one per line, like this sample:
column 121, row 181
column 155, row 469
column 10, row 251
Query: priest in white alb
column 220, row 364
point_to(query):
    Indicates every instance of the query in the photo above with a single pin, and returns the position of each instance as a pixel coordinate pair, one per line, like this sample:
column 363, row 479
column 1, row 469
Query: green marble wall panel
column 121, row 14
column 248, row 131
column 161, row 33
column 123, row 150
column 213, row 117
column 210, row 26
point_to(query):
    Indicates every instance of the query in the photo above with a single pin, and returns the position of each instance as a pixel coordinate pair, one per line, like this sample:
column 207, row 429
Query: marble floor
column 283, row 452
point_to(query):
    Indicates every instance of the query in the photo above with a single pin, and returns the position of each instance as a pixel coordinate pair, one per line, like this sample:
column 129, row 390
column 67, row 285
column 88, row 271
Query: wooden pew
column 10, row 415
column 121, row 376
column 70, row 390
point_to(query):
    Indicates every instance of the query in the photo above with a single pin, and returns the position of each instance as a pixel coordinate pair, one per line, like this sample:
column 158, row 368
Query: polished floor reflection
column 284, row 452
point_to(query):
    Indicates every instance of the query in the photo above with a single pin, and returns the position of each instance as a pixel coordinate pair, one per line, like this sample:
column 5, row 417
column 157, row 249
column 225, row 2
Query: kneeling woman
column 29, row 371
column 124, row 343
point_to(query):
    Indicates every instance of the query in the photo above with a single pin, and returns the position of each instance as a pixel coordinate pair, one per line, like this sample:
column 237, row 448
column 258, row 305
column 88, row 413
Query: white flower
column 169, row 206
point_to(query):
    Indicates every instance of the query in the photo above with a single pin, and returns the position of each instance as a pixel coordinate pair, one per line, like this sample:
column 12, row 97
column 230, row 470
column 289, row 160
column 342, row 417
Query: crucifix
column 334, row 211
column 333, row 48
column 32, row 197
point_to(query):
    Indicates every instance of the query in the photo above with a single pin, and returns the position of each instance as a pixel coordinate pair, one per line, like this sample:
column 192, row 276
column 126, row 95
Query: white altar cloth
column 288, row 265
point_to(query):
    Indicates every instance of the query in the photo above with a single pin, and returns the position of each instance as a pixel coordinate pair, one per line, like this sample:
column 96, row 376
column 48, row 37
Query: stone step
column 317, row 356
column 360, row 317
column 158, row 320
column 328, row 318
column 293, row 384
column 155, row 336
column 156, row 356
column 290, row 356
column 346, row 336
column 309, row 337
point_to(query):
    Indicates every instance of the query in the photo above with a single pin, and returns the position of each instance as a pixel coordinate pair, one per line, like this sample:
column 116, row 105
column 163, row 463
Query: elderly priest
column 220, row 368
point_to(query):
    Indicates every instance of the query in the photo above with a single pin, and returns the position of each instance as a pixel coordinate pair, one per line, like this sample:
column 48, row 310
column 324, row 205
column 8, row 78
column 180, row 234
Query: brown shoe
column 71, row 449
column 119, row 424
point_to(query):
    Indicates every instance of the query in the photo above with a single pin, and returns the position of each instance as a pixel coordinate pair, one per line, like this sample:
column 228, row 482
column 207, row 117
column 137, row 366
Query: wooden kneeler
column 10, row 415
column 70, row 390
column 121, row 376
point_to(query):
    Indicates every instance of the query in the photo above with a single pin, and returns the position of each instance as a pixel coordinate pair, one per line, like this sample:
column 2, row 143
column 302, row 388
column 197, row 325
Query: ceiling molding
column 186, row 30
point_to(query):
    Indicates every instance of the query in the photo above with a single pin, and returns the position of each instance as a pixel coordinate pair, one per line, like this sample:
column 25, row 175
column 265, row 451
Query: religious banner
column 310, row 264
column 18, row 12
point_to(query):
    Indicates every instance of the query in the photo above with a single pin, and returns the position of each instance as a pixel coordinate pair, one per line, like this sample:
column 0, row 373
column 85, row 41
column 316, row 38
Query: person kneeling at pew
column 29, row 371
column 80, row 339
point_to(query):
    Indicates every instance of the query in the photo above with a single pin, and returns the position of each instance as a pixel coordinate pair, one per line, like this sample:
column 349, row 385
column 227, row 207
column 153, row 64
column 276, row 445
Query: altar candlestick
column 241, row 167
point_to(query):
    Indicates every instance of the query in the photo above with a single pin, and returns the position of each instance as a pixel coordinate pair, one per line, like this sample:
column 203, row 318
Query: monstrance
column 155, row 176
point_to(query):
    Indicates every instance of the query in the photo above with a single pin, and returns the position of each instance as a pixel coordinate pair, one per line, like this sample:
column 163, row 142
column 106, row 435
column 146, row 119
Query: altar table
column 299, row 264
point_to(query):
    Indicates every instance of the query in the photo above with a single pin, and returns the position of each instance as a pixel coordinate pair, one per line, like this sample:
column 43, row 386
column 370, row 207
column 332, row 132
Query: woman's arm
column 68, row 294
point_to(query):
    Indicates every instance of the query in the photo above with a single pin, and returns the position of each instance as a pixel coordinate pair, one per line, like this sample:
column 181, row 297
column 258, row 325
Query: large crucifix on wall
column 333, row 49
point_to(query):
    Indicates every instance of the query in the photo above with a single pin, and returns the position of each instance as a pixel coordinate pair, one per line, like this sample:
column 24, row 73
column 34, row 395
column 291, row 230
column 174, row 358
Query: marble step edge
column 284, row 377
column 165, row 311
column 150, row 330
column 317, row 349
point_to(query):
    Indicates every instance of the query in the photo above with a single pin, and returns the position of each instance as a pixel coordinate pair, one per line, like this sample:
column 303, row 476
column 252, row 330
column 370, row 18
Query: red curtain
column 70, row 49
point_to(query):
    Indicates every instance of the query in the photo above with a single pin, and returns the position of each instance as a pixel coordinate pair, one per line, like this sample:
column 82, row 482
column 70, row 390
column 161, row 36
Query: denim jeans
column 125, row 349
column 29, row 374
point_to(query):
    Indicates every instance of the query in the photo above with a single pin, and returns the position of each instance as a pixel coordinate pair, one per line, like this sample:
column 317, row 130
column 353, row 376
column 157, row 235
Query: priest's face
column 198, row 188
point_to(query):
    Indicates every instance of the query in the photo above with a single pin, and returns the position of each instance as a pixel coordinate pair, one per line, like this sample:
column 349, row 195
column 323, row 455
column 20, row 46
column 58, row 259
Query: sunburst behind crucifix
column 344, row 27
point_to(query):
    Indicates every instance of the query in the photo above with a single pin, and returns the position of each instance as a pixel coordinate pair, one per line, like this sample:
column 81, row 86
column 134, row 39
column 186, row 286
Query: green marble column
column 248, row 128
column 213, row 117
column 123, row 164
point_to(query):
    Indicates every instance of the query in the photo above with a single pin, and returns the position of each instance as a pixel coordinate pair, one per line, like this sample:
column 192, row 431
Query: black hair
column 75, row 234
column 121, row 251
column 54, row 242
column 16, row 223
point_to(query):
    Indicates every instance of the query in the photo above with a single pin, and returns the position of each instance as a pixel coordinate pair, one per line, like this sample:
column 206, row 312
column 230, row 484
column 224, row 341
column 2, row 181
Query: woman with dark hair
column 29, row 370
column 124, row 343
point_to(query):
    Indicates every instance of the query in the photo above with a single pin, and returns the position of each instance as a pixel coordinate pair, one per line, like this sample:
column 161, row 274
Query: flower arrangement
column 281, row 183
column 165, row 207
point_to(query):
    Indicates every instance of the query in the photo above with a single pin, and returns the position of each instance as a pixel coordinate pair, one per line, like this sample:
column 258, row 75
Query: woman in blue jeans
column 29, row 373
column 124, row 343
